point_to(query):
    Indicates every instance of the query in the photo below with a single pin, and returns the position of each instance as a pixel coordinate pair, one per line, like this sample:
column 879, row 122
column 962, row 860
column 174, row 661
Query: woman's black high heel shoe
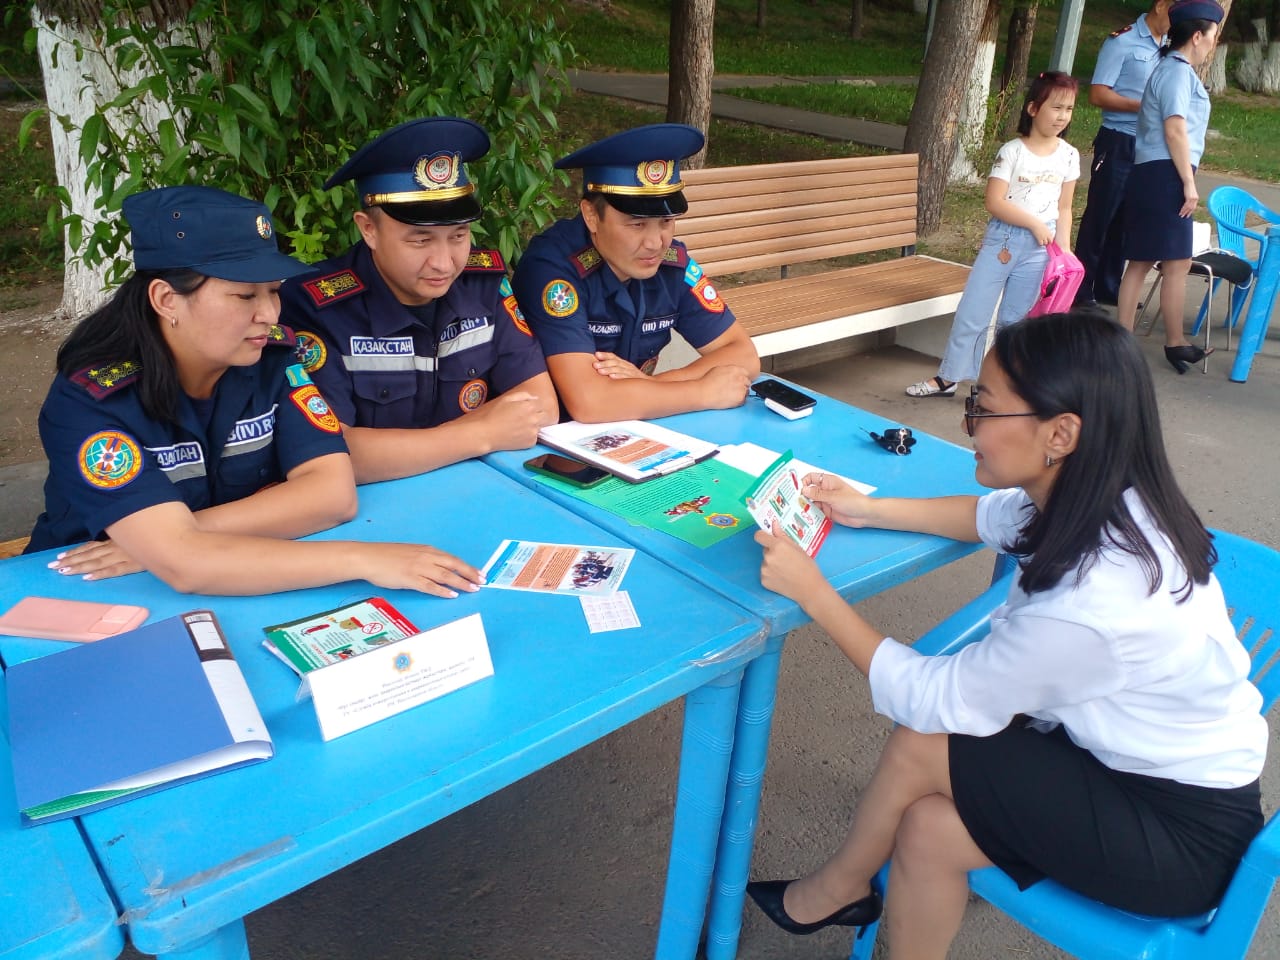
column 1180, row 357
column 768, row 897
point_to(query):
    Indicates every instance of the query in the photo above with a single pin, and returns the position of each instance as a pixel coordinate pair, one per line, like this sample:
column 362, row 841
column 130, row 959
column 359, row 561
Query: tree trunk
column 692, row 57
column 933, row 128
column 74, row 89
column 1259, row 69
column 920, row 7
column 1206, row 69
column 857, row 14
column 973, row 108
column 760, row 13
column 1017, row 56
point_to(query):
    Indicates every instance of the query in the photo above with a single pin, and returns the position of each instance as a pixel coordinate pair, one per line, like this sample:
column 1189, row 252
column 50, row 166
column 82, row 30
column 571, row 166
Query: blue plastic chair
column 1230, row 208
column 1250, row 578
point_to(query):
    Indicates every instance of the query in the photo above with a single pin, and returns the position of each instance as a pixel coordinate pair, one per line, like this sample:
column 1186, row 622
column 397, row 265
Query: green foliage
column 267, row 98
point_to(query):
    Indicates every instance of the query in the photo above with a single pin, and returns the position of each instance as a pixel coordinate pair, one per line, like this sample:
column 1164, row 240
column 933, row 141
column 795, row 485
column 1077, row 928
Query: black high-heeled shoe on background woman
column 1181, row 357
column 768, row 897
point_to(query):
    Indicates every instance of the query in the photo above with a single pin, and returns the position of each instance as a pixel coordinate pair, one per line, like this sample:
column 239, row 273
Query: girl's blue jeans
column 1013, row 286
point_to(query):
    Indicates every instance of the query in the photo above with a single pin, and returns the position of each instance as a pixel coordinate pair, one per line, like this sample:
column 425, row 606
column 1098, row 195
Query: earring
column 173, row 319
column 1049, row 461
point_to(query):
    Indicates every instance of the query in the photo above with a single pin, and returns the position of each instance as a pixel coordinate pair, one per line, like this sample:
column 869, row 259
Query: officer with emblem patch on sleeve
column 184, row 437
column 413, row 337
column 605, row 290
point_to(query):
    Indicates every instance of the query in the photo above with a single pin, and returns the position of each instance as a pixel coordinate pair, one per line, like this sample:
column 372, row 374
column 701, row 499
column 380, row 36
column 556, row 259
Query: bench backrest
column 773, row 214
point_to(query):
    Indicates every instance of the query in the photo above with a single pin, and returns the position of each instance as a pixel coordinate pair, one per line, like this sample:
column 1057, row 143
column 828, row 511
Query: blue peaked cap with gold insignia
column 213, row 232
column 415, row 171
column 638, row 171
column 1196, row 10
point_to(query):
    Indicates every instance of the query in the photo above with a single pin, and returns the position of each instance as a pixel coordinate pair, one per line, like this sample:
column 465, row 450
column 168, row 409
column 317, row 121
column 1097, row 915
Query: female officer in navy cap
column 604, row 290
column 181, row 427
column 1160, row 194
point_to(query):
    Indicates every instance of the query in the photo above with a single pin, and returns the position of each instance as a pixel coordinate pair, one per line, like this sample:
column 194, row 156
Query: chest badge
column 472, row 395
column 311, row 351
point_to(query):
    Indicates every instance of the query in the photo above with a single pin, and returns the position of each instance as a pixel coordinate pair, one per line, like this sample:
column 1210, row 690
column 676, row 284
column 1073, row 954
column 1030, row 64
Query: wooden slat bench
column 778, row 214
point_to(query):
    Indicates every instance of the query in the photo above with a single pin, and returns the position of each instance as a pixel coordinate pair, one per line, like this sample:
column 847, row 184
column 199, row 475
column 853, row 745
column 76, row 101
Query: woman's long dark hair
column 1180, row 34
column 127, row 328
column 1084, row 363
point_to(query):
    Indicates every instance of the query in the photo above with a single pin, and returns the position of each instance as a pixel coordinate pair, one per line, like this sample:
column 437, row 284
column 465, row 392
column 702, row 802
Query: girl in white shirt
column 1029, row 196
column 1105, row 733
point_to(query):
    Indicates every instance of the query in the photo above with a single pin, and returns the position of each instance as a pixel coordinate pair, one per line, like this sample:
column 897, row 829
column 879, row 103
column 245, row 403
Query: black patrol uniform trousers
column 1101, row 232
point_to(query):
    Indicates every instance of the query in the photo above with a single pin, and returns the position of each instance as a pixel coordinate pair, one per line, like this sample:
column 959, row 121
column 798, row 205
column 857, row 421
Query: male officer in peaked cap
column 604, row 290
column 1124, row 63
column 412, row 336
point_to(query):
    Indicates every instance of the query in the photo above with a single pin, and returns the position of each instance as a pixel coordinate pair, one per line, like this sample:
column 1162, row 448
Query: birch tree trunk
column 1259, row 69
column 692, row 55
column 933, row 129
column 79, row 77
column 973, row 106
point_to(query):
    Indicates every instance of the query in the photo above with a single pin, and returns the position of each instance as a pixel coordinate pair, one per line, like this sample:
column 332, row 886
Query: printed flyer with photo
column 557, row 567
column 776, row 498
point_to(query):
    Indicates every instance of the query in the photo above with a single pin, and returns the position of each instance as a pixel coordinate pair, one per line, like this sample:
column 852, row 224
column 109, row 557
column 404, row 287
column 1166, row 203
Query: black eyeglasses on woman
column 973, row 411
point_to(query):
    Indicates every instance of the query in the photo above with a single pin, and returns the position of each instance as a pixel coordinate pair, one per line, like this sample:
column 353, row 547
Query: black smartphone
column 567, row 469
column 783, row 395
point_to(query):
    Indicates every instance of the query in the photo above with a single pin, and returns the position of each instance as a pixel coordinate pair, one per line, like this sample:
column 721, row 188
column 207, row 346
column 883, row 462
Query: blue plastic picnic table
column 188, row 863
column 53, row 904
column 859, row 563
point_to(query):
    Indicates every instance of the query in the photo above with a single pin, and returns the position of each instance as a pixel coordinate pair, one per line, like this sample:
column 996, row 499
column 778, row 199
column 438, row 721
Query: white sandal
column 933, row 387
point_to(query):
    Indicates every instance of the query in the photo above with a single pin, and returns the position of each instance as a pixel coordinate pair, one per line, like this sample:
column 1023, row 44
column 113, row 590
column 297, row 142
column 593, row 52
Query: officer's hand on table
column 96, row 560
column 512, row 421
column 725, row 386
column 409, row 566
column 615, row 368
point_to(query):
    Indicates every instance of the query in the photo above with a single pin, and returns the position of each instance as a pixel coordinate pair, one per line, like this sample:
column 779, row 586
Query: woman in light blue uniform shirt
column 1161, row 193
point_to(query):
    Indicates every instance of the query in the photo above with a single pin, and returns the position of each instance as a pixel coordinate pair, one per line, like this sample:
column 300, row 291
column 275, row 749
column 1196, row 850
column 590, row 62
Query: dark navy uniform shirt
column 108, row 459
column 380, row 363
column 576, row 304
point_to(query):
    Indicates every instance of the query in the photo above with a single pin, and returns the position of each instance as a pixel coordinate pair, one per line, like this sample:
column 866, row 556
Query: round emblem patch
column 724, row 520
column 109, row 459
column 264, row 228
column 472, row 394
column 307, row 399
column 649, row 366
column 311, row 351
column 656, row 172
column 559, row 298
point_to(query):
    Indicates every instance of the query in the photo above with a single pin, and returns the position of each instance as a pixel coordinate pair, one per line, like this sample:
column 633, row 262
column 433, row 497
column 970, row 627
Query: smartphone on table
column 571, row 471
column 784, row 400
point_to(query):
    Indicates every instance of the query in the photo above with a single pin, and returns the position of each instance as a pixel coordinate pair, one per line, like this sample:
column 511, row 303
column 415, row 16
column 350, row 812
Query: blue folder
column 138, row 705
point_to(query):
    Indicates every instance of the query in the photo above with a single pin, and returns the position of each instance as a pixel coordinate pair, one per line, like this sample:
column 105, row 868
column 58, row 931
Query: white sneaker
column 933, row 387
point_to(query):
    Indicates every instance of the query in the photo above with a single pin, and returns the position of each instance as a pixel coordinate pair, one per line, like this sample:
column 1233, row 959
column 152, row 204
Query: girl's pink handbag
column 1062, row 276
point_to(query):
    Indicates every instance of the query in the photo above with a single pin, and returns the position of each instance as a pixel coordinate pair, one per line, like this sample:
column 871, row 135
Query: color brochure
column 336, row 635
column 557, row 568
column 99, row 723
column 776, row 498
column 701, row 505
column 631, row 449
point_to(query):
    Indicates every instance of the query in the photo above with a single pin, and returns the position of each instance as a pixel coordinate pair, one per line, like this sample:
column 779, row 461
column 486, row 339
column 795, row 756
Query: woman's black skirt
column 1039, row 806
column 1152, row 228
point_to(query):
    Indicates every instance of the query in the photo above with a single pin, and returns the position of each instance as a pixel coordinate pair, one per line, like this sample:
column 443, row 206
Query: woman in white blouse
column 1105, row 733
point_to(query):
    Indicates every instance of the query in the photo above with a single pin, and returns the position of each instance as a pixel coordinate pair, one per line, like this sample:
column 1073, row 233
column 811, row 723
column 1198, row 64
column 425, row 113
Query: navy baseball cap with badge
column 1196, row 10
column 638, row 171
column 415, row 171
column 213, row 232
